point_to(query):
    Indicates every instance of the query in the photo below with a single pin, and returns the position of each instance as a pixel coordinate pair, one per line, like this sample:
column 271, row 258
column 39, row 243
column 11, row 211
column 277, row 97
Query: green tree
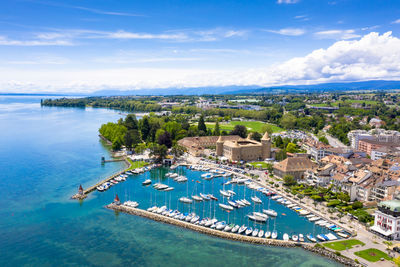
column 216, row 129
column 357, row 205
column 239, row 130
column 280, row 155
column 288, row 121
column 165, row 139
column 289, row 180
column 256, row 136
column 177, row 150
column 278, row 141
column 158, row 151
column 145, row 128
column 140, row 148
column 291, row 148
column 131, row 122
column 267, row 128
column 201, row 126
column 324, row 140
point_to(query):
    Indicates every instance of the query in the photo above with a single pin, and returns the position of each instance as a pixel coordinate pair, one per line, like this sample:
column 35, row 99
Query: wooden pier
column 84, row 193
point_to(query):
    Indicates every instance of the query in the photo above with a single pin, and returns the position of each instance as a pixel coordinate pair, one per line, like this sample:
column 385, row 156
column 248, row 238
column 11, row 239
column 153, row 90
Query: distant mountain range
column 323, row 87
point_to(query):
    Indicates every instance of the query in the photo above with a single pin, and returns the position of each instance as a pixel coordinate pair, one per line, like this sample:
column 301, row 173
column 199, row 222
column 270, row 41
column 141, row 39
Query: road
column 334, row 141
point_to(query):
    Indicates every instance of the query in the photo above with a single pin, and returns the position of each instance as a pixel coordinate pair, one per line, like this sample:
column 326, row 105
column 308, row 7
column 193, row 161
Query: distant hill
column 366, row 85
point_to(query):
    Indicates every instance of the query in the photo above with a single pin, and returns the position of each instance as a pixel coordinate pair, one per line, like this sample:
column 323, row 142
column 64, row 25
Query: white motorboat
column 311, row 238
column 245, row 201
column 169, row 189
column 242, row 229
column 225, row 207
column 248, row 231
column 274, row 235
column 232, row 193
column 233, row 204
column 186, row 200
column 295, row 238
column 270, row 212
column 255, row 232
column 190, row 217
column 268, row 234
column 210, row 222
column 260, row 214
column 151, row 209
column 285, row 237
column 220, row 225
column 257, row 218
column 224, row 193
column 195, row 219
column 320, row 237
column 235, row 228
column 256, row 200
column 261, row 233
column 304, row 212
column 131, row 204
column 173, row 175
column 197, row 198
column 160, row 210
column 229, row 228
column 146, row 182
column 205, row 197
column 301, row 237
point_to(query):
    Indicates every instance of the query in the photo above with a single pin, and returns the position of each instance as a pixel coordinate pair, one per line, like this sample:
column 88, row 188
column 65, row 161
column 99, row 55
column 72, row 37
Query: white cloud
column 4, row 40
column 372, row 57
column 289, row 31
column 396, row 21
column 287, row 1
column 337, row 34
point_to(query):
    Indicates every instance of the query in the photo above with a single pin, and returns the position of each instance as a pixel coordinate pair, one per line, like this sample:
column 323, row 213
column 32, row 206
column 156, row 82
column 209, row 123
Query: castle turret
column 266, row 146
column 220, row 147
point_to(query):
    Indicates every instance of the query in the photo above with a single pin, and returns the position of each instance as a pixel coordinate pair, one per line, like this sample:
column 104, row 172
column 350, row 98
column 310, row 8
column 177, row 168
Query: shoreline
column 233, row 236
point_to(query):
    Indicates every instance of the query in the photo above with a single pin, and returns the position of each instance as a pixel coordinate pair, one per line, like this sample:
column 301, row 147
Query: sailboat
column 242, row 229
column 146, row 182
column 225, row 207
column 235, row 228
column 256, row 200
column 269, row 211
column 261, row 233
column 301, row 237
column 255, row 232
column 268, row 234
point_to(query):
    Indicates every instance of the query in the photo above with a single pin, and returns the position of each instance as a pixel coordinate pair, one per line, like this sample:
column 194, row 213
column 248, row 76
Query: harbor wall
column 232, row 236
column 92, row 188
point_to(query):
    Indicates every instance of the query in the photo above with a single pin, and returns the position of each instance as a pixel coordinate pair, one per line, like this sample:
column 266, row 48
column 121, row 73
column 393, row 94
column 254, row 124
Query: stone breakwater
column 232, row 236
column 92, row 188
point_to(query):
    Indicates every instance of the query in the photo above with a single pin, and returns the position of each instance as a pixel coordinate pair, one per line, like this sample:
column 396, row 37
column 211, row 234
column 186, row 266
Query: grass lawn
column 263, row 164
column 372, row 254
column 137, row 164
column 335, row 104
column 254, row 126
column 344, row 244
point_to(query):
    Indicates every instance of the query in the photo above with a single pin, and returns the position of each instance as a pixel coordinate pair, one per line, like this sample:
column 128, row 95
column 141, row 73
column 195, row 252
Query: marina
column 239, row 205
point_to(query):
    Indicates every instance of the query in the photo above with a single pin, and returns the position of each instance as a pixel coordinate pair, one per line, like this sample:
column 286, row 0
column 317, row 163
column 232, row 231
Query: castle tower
column 220, row 147
column 235, row 151
column 266, row 146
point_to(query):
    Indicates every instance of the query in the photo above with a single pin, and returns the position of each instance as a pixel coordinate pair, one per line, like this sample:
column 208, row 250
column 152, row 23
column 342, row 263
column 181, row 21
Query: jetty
column 83, row 193
column 116, row 206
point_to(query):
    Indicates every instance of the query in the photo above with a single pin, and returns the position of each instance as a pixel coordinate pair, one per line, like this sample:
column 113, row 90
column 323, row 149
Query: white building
column 387, row 220
column 380, row 135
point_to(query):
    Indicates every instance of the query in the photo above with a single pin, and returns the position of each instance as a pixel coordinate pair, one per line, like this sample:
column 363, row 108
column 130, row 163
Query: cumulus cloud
column 372, row 57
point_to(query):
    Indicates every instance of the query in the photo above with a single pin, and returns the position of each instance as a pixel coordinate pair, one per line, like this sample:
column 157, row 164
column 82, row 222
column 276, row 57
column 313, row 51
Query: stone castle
column 244, row 149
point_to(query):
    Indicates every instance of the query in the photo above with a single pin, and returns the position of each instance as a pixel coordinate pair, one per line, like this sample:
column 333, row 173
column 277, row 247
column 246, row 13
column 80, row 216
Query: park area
column 372, row 255
column 252, row 126
column 344, row 244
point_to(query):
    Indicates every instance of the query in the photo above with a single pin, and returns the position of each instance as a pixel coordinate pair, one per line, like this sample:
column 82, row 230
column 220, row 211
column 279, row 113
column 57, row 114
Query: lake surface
column 288, row 221
column 45, row 153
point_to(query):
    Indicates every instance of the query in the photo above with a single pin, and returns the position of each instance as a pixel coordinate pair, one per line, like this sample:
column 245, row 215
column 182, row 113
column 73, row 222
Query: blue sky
column 87, row 45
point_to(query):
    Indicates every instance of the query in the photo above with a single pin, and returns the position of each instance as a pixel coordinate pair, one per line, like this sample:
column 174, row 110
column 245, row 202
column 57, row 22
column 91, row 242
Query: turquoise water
column 45, row 153
column 287, row 221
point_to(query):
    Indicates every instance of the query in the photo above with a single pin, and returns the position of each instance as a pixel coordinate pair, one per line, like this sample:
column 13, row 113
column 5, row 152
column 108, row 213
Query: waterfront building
column 295, row 167
column 196, row 145
column 244, row 149
column 368, row 146
column 387, row 220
